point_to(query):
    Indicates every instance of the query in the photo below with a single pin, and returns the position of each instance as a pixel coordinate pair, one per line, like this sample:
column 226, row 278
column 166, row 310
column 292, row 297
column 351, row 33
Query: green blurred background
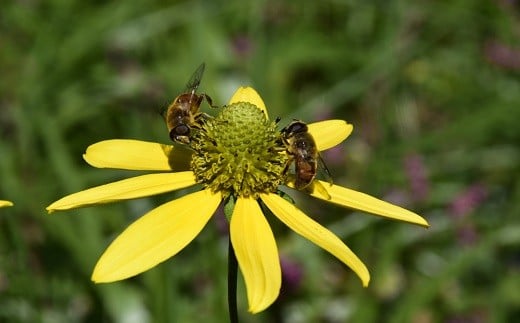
column 433, row 91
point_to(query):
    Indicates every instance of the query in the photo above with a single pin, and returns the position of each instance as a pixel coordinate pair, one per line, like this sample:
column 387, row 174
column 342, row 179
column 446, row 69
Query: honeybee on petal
column 183, row 113
column 302, row 150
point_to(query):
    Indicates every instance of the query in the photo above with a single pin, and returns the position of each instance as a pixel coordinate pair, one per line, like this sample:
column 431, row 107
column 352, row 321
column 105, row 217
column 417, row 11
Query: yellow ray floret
column 256, row 253
column 364, row 202
column 248, row 94
column 135, row 187
column 4, row 203
column 156, row 236
column 129, row 154
column 313, row 231
column 329, row 133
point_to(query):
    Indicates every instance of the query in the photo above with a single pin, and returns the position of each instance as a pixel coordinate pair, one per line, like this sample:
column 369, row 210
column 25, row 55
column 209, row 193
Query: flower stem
column 232, row 284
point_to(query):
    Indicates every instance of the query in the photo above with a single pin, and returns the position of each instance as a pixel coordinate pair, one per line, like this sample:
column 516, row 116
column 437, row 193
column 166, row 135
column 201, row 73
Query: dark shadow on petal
column 179, row 157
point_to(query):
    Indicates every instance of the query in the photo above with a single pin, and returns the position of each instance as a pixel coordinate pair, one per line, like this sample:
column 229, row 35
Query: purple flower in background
column 502, row 55
column 467, row 201
column 506, row 4
column 242, row 46
column 463, row 205
column 417, row 176
column 292, row 275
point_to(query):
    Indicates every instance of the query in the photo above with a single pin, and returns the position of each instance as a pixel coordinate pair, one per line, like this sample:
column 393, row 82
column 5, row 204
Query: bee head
column 180, row 132
column 294, row 128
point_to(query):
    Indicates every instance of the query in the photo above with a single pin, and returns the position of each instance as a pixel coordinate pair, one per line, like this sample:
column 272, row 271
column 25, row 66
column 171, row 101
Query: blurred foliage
column 432, row 88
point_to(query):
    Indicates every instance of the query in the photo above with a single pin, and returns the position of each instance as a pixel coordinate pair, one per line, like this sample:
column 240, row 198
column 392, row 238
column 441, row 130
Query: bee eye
column 180, row 130
column 297, row 127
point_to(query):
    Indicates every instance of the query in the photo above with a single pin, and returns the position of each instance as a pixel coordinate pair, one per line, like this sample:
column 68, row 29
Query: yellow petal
column 248, row 94
column 135, row 187
column 256, row 253
column 4, row 203
column 129, row 154
column 364, row 202
column 329, row 133
column 313, row 231
column 156, row 236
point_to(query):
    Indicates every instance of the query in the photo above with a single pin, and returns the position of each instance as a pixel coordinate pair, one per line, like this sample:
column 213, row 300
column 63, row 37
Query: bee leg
column 209, row 100
column 286, row 168
column 288, row 164
column 205, row 116
column 289, row 178
column 199, row 119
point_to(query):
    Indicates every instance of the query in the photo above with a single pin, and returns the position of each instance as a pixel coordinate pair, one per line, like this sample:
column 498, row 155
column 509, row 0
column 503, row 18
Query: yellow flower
column 167, row 229
column 4, row 203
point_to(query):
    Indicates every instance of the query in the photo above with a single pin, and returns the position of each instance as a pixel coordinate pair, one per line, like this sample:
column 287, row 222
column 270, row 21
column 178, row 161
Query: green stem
column 232, row 284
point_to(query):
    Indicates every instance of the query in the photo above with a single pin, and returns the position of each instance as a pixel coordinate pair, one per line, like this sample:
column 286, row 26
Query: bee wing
column 195, row 79
column 326, row 171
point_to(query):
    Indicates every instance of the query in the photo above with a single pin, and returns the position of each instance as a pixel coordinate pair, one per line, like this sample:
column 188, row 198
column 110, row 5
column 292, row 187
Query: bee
column 183, row 113
column 302, row 150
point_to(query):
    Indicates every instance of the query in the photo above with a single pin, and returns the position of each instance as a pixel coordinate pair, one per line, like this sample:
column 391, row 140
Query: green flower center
column 239, row 152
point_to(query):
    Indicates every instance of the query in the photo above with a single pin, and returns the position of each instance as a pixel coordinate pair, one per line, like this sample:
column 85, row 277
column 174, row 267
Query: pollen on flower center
column 238, row 152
